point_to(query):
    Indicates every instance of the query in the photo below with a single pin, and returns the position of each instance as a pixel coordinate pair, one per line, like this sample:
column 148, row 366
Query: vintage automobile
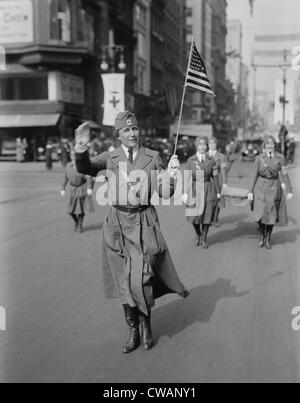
column 251, row 148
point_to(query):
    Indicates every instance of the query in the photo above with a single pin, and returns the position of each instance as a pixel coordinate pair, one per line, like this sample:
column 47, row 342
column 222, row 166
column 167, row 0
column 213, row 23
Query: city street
column 236, row 325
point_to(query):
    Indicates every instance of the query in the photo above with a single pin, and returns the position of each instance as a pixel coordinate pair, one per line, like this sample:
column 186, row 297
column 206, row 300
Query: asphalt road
column 236, row 326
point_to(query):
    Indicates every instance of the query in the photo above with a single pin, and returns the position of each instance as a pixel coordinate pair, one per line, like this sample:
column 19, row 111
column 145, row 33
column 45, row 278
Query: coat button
column 137, row 223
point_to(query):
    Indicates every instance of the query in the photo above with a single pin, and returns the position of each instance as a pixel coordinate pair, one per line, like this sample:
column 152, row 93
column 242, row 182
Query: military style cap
column 202, row 140
column 125, row 119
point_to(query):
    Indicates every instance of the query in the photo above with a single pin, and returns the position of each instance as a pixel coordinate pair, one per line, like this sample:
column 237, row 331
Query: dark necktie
column 130, row 155
column 270, row 156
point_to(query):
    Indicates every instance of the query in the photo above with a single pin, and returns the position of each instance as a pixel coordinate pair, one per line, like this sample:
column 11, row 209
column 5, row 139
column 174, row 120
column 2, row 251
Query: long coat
column 269, row 201
column 77, row 185
column 137, row 266
column 222, row 169
column 205, row 210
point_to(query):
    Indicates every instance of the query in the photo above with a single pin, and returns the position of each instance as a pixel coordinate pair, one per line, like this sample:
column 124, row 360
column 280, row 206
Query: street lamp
column 110, row 54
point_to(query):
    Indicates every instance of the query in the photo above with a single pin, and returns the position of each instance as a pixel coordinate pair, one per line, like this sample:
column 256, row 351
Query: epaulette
column 151, row 153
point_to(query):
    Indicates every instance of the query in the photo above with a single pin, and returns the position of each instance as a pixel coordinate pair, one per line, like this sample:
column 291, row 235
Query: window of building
column 189, row 29
column 189, row 12
column 86, row 26
column 141, row 45
column 24, row 88
column 60, row 20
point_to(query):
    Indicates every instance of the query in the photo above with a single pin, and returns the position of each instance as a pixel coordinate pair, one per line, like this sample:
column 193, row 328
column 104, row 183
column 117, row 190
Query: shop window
column 23, row 88
column 60, row 20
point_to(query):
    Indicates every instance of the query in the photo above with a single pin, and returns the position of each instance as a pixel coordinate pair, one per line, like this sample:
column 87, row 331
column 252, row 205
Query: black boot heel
column 146, row 332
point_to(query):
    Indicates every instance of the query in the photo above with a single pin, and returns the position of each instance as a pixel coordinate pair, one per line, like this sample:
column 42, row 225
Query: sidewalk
column 13, row 166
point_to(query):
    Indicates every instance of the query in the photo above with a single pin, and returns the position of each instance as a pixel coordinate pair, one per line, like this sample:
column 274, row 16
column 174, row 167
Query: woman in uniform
column 222, row 168
column 210, row 195
column 137, row 266
column 80, row 187
column 267, row 190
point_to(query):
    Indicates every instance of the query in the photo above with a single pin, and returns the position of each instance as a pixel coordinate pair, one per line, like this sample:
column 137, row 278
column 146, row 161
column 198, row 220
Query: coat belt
column 132, row 210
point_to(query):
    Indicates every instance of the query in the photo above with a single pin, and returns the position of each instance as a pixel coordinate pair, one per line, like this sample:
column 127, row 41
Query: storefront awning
column 43, row 120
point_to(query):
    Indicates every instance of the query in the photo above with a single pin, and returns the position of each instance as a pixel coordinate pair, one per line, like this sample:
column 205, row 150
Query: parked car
column 251, row 148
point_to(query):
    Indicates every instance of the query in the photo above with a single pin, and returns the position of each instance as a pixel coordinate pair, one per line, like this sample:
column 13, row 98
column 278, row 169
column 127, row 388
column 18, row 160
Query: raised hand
column 82, row 138
column 173, row 165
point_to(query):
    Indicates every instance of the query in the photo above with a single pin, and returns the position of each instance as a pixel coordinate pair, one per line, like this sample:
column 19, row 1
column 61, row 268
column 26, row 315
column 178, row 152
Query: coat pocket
column 112, row 236
column 153, row 240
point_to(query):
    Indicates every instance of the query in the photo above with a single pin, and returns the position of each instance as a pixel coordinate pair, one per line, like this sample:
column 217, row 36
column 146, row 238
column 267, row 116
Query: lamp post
column 110, row 55
column 112, row 68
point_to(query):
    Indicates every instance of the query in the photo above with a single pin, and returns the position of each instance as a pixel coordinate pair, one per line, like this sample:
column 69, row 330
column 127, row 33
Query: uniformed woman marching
column 137, row 265
column 270, row 177
column 222, row 169
column 204, row 217
column 80, row 187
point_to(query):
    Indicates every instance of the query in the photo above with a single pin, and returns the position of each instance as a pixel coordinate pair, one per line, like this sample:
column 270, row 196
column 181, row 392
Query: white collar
column 201, row 157
column 134, row 151
column 270, row 154
column 212, row 153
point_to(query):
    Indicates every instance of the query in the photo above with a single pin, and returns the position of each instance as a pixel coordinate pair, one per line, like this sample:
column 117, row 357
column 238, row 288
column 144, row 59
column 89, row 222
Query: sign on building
column 192, row 130
column 66, row 88
column 114, row 97
column 16, row 21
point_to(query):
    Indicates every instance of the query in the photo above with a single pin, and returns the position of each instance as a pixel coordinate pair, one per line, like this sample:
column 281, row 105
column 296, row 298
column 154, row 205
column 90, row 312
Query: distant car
column 250, row 150
column 55, row 150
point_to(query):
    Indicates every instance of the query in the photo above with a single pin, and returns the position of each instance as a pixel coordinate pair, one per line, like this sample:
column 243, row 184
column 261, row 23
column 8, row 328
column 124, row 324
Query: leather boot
column 146, row 331
column 132, row 319
column 80, row 223
column 74, row 216
column 262, row 236
column 204, row 239
column 269, row 234
column 198, row 234
column 216, row 218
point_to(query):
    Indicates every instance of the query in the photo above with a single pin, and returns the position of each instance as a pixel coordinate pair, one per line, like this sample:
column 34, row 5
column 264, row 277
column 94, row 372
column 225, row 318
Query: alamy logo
column 2, row 59
column 296, row 320
column 2, row 319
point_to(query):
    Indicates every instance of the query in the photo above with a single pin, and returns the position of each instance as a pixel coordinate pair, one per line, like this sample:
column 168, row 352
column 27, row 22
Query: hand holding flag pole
column 196, row 77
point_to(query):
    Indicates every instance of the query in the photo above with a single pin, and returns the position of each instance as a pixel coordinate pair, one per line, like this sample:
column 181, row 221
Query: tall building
column 199, row 28
column 142, row 58
column 234, row 53
column 219, row 32
column 168, row 59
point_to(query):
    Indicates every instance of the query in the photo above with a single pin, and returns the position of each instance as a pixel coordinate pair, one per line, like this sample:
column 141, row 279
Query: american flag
column 196, row 75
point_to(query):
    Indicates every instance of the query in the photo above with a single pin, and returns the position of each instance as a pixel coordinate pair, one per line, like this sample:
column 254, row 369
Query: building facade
column 167, row 67
column 51, row 82
column 48, row 86
column 199, row 28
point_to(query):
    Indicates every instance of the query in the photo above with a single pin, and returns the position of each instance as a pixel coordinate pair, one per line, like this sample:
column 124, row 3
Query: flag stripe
column 203, row 85
column 194, row 73
column 199, row 81
column 196, row 76
column 201, row 89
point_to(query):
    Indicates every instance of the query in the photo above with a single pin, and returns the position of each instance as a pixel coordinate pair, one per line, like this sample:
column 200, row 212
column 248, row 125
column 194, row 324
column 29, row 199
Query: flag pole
column 182, row 100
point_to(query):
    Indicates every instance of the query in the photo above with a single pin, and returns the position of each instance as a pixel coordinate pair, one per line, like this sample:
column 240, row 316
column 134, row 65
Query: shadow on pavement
column 198, row 307
column 283, row 237
column 242, row 228
column 93, row 227
column 232, row 219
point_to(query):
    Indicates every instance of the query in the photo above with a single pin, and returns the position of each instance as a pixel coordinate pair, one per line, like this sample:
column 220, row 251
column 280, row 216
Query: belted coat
column 269, row 199
column 137, row 266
